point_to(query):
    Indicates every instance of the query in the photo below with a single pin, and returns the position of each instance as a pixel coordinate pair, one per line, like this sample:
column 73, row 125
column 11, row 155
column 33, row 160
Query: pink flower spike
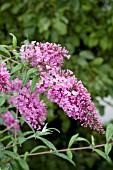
column 30, row 107
column 4, row 78
column 10, row 121
column 75, row 100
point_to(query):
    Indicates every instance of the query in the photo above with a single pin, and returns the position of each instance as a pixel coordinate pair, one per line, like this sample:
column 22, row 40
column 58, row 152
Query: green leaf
column 22, row 140
column 4, row 51
column 31, row 71
column 2, row 101
column 10, row 143
column 45, row 128
column 15, row 149
column 26, row 64
column 24, row 78
column 109, row 159
column 54, row 129
column 14, row 40
column 5, row 6
column 82, row 139
column 5, row 138
column 17, row 55
column 26, row 155
column 33, row 84
column 13, row 114
column 108, row 148
column 16, row 68
column 92, row 140
column 9, row 47
column 101, row 153
column 37, row 148
column 69, row 154
column 92, row 42
column 109, row 132
column 23, row 163
column 11, row 154
column 97, row 61
column 27, row 133
column 39, row 133
column 1, row 146
column 14, row 164
column 47, row 143
column 5, row 60
column 64, row 157
column 72, row 140
column 31, row 136
column 86, row 54
column 1, row 122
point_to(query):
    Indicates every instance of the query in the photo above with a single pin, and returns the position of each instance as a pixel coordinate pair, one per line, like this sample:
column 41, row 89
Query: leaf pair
column 74, row 139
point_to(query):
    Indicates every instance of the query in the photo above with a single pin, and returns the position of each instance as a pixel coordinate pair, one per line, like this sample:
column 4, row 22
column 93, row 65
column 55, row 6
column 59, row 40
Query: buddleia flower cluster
column 4, row 78
column 29, row 105
column 10, row 121
column 59, row 86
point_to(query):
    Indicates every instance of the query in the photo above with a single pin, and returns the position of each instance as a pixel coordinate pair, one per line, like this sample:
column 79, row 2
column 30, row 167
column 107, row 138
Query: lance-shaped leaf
column 37, row 148
column 14, row 40
column 82, row 139
column 24, row 78
column 47, row 143
column 72, row 140
column 101, row 153
column 2, row 101
column 33, row 84
column 69, row 154
column 4, row 51
column 109, row 132
column 64, row 157
column 23, row 163
column 108, row 148
column 17, row 68
column 31, row 71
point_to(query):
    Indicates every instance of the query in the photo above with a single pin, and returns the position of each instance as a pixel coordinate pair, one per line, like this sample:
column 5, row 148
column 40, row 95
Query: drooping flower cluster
column 75, row 100
column 10, row 121
column 4, row 78
column 44, row 56
column 29, row 105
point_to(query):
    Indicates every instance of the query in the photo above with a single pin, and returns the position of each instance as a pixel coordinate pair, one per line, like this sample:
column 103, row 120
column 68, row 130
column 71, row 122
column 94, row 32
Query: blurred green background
column 85, row 28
